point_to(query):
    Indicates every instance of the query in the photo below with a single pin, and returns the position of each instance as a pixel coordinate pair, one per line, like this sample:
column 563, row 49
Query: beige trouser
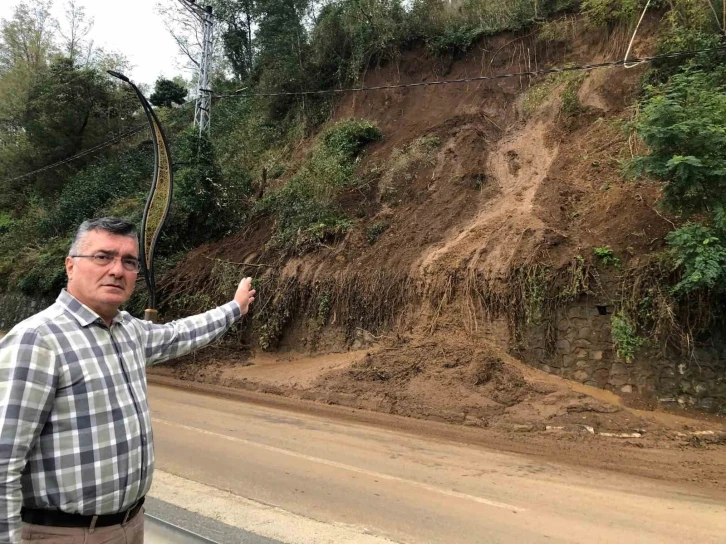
column 131, row 533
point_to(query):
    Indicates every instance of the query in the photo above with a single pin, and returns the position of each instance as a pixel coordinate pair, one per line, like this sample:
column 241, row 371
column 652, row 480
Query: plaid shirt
column 75, row 428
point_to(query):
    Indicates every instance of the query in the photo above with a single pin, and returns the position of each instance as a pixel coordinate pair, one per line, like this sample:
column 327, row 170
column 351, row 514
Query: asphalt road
column 299, row 478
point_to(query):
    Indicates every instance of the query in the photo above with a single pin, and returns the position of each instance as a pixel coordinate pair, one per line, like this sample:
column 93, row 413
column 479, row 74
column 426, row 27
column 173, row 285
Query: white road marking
column 349, row 468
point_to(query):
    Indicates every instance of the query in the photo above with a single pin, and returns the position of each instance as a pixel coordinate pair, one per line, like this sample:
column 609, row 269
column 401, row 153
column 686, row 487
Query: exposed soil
column 503, row 187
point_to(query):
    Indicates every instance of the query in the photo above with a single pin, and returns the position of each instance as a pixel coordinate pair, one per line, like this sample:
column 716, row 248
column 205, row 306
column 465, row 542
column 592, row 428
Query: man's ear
column 70, row 265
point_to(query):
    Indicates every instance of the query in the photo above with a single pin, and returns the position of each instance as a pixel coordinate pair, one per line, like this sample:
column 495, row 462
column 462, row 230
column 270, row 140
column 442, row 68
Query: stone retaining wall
column 584, row 352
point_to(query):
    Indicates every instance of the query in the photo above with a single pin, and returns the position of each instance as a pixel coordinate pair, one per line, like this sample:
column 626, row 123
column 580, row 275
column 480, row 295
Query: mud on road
column 519, row 409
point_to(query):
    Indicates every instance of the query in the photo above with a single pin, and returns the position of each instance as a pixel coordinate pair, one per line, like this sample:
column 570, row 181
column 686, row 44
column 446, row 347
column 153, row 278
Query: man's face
column 103, row 288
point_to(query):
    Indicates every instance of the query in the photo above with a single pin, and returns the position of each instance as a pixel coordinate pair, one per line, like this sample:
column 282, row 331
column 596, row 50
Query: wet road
column 301, row 478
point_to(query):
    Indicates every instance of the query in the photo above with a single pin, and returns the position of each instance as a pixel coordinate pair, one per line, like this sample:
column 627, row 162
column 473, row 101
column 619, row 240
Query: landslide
column 408, row 313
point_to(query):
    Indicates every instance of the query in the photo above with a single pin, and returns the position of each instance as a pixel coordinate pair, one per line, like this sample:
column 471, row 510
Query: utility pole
column 203, row 109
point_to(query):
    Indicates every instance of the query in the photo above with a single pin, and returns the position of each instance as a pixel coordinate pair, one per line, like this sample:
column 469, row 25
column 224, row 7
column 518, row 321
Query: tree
column 27, row 38
column 185, row 28
column 72, row 108
column 74, row 32
column 167, row 92
column 281, row 42
column 237, row 18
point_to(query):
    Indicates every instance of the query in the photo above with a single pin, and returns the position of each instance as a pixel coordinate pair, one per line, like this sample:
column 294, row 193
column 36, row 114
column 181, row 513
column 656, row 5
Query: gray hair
column 113, row 225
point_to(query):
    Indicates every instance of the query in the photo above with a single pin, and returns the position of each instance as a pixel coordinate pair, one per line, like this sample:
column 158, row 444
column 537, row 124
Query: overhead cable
column 473, row 79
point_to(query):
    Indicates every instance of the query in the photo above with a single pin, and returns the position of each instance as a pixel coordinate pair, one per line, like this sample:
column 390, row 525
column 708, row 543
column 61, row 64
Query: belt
column 56, row 518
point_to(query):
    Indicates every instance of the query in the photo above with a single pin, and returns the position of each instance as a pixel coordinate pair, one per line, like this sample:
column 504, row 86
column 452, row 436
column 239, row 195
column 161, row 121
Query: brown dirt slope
column 480, row 178
column 506, row 181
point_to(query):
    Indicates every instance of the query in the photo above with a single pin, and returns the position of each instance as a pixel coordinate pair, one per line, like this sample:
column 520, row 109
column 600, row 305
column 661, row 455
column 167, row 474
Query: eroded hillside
column 492, row 226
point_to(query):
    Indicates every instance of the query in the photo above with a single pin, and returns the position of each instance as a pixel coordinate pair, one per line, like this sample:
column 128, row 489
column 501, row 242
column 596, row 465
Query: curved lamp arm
column 158, row 202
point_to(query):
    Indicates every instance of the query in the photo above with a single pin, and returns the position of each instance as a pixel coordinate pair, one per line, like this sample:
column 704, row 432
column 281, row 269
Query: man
column 76, row 449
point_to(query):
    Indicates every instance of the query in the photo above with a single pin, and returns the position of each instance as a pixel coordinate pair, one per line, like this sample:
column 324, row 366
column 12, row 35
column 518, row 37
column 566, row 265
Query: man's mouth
column 114, row 286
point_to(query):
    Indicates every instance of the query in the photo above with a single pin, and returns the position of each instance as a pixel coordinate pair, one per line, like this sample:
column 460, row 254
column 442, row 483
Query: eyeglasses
column 104, row 259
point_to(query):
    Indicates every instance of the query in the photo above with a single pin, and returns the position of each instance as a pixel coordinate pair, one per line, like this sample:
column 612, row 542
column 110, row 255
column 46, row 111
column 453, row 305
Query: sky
column 130, row 27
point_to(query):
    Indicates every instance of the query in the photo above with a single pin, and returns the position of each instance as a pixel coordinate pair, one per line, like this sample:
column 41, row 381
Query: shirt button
column 143, row 439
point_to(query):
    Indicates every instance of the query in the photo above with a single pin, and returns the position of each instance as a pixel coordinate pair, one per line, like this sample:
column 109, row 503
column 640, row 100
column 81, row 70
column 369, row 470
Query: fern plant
column 701, row 252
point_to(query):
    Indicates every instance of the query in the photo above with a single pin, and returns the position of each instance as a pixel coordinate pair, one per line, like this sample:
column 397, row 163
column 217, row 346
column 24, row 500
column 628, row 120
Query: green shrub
column 627, row 342
column 611, row 12
column 205, row 206
column 351, row 35
column 701, row 253
column 540, row 92
column 306, row 208
column 41, row 271
column 571, row 105
column 683, row 124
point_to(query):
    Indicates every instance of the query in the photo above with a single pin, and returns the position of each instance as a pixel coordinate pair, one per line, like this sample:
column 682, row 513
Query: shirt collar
column 82, row 313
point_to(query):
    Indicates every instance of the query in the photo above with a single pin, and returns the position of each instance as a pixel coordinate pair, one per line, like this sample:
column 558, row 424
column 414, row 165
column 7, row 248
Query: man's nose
column 116, row 268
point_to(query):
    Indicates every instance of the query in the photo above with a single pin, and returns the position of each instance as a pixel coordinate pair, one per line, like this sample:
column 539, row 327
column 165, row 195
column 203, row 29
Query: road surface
column 300, row 478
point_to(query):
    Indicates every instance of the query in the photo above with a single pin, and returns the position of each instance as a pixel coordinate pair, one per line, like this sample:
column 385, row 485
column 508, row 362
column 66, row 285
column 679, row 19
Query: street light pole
column 203, row 109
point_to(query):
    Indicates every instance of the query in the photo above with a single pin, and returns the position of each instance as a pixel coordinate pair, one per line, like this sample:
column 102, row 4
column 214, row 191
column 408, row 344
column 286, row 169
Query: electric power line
column 88, row 151
column 531, row 73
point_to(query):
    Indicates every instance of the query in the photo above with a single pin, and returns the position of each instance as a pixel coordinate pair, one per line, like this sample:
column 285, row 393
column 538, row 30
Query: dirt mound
column 463, row 383
column 447, row 380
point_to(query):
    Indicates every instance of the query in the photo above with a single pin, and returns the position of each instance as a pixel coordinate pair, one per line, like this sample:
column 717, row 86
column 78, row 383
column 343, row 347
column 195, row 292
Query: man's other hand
column 245, row 295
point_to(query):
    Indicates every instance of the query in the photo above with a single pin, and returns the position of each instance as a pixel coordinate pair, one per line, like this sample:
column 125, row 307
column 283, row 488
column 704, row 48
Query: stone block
column 582, row 343
column 563, row 325
column 600, row 377
column 584, row 333
column 581, row 353
column 699, row 388
column 567, row 361
column 582, row 364
column 667, row 386
column 581, row 376
column 574, row 311
column 554, row 363
column 703, row 355
column 627, row 388
column 563, row 345
column 618, row 381
column 596, row 355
